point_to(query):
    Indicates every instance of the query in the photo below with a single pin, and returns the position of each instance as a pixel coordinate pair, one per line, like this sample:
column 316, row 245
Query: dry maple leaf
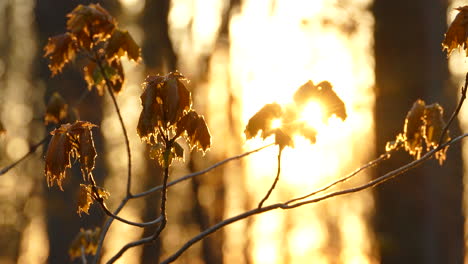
column 69, row 140
column 413, row 128
column 262, row 121
column 196, row 131
column 60, row 50
column 121, row 43
column 95, row 78
column 457, row 32
column 86, row 240
column 282, row 139
column 165, row 99
column 90, row 22
column 434, row 125
column 57, row 109
column 85, row 198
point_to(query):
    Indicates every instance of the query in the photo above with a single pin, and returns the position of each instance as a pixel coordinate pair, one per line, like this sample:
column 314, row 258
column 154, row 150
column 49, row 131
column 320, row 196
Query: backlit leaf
column 85, row 198
column 282, row 139
column 60, row 50
column 165, row 99
column 56, row 110
column 121, row 43
column 262, row 121
column 95, row 78
column 194, row 127
column 90, row 22
column 457, row 33
column 69, row 140
column 434, row 125
column 86, row 240
column 413, row 129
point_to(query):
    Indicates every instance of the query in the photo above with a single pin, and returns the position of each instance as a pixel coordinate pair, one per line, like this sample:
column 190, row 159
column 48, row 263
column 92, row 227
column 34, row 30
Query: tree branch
column 288, row 205
column 109, row 213
column 274, row 182
column 191, row 175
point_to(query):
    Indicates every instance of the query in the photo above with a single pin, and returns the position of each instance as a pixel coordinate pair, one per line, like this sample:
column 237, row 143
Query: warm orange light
column 312, row 114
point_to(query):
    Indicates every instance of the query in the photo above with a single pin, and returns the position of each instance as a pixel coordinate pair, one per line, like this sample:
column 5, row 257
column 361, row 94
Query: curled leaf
column 413, row 129
column 69, row 140
column 165, row 99
column 456, row 36
column 194, row 127
column 85, row 198
column 262, row 121
column 60, row 50
column 90, row 22
column 85, row 241
column 434, row 125
column 56, row 110
column 121, row 43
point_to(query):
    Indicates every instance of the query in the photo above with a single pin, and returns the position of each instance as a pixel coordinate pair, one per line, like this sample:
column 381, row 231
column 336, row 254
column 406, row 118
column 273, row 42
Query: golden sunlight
column 312, row 114
column 276, row 123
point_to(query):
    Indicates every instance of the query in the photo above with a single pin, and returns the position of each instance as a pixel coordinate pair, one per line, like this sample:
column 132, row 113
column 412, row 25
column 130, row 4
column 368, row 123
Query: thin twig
column 32, row 149
column 104, row 230
column 83, row 255
column 457, row 110
column 145, row 224
column 275, row 181
column 341, row 180
column 191, row 175
column 122, row 124
column 287, row 205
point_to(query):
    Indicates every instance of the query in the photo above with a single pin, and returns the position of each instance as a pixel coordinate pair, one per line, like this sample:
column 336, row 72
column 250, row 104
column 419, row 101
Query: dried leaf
column 94, row 77
column 165, row 100
column 456, row 36
column 413, row 129
column 323, row 93
column 69, row 141
column 86, row 240
column 434, row 125
column 57, row 158
column 282, row 139
column 60, row 50
column 85, row 198
column 121, row 43
column 262, row 121
column 90, row 22
column 306, row 131
column 56, row 110
column 194, row 127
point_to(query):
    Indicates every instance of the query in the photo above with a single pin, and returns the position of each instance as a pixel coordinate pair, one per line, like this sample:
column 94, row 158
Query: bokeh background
column 380, row 56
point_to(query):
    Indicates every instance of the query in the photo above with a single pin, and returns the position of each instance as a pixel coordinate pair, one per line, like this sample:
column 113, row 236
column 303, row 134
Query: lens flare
column 312, row 114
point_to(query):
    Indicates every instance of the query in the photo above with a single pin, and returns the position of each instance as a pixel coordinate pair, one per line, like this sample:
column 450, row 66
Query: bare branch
column 145, row 224
column 287, row 205
column 276, row 179
column 191, row 175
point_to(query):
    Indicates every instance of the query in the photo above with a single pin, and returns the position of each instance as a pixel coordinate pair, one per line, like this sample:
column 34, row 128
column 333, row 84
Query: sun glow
column 276, row 123
column 312, row 114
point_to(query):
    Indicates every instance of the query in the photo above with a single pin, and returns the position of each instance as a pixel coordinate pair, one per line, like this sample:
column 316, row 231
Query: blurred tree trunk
column 63, row 222
column 418, row 216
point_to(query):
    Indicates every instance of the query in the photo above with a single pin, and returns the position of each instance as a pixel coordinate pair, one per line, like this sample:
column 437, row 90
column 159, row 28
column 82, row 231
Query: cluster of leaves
column 423, row 129
column 291, row 123
column 73, row 141
column 91, row 30
column 167, row 114
column 85, row 242
column 456, row 36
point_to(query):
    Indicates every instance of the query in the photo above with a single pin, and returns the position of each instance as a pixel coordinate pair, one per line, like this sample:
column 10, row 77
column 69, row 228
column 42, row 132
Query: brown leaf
column 262, row 121
column 56, row 110
column 90, row 22
column 86, row 239
column 413, row 128
column 323, row 93
column 165, row 100
column 434, row 125
column 196, row 131
column 60, row 50
column 69, row 141
column 457, row 32
column 95, row 78
column 85, row 198
column 57, row 158
column 2, row 128
column 282, row 139
column 121, row 43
